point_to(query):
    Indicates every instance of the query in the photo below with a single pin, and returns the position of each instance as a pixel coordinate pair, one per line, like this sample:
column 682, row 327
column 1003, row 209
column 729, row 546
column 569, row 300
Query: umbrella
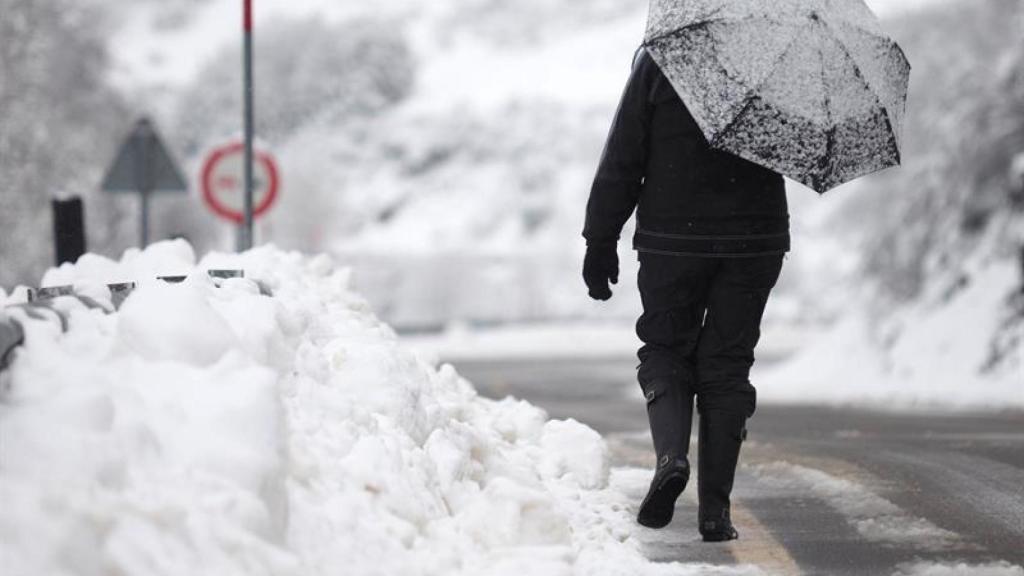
column 812, row 89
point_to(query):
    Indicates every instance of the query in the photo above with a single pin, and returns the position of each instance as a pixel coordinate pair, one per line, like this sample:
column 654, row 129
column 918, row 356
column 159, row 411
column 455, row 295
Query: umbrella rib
column 830, row 132
column 860, row 74
column 748, row 100
column 889, row 41
column 877, row 35
column 703, row 23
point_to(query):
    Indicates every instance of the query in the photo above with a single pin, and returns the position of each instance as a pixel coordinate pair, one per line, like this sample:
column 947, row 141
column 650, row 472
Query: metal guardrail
column 12, row 335
column 39, row 306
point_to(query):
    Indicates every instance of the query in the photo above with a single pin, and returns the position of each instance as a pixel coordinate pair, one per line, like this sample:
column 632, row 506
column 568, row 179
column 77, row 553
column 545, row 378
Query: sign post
column 144, row 166
column 245, row 237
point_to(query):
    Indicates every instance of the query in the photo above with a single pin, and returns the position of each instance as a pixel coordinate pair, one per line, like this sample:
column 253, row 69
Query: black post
column 68, row 229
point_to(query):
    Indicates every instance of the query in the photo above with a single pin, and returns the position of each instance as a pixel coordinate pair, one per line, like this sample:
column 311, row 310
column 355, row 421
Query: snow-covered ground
column 929, row 358
column 564, row 341
column 937, row 354
column 206, row 430
column 938, row 569
column 872, row 516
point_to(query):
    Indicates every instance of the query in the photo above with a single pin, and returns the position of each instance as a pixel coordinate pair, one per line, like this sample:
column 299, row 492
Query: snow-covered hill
column 454, row 183
column 934, row 313
column 480, row 171
column 957, row 348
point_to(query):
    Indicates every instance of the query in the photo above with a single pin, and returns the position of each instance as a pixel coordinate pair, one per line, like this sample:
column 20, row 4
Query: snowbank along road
column 222, row 431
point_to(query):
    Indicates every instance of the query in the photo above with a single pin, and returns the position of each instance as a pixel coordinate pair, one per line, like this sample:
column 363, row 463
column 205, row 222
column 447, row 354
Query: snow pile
column 206, row 430
column 958, row 347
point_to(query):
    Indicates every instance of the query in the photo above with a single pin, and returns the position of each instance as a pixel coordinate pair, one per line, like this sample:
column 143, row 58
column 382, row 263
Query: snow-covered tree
column 965, row 127
column 307, row 71
column 55, row 118
column 311, row 76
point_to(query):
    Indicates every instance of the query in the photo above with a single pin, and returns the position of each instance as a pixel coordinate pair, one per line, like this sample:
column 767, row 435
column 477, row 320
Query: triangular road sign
column 143, row 165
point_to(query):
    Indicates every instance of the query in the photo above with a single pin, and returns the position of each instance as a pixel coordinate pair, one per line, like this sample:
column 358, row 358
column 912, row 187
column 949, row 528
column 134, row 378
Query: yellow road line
column 756, row 545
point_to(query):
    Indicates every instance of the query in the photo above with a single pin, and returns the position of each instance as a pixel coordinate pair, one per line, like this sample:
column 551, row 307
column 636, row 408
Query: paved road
column 820, row 490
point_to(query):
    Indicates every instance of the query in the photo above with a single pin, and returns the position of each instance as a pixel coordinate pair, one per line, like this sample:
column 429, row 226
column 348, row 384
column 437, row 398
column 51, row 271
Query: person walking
column 724, row 98
column 711, row 233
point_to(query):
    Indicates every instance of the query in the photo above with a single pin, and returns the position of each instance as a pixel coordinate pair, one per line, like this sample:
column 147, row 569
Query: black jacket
column 690, row 199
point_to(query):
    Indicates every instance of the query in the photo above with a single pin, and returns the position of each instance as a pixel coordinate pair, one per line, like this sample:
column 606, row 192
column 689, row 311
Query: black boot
column 670, row 411
column 721, row 434
column 669, row 482
column 718, row 529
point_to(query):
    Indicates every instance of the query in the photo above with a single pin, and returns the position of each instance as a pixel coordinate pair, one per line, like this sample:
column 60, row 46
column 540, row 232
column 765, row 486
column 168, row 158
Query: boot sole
column 721, row 536
column 660, row 505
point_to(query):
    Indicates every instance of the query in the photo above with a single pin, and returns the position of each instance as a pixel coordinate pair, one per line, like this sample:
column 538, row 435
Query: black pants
column 700, row 325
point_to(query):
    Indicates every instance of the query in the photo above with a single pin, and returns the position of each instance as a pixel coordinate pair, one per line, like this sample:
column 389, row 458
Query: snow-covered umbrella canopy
column 813, row 89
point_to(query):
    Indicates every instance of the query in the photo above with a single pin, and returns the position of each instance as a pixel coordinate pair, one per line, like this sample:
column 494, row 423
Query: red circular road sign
column 224, row 189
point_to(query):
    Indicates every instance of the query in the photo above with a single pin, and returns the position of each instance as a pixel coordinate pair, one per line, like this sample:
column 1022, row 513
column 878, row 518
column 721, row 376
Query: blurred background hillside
column 445, row 149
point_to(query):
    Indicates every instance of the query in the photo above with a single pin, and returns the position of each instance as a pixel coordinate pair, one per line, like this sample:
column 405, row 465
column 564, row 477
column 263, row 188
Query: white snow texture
column 206, row 430
column 933, row 355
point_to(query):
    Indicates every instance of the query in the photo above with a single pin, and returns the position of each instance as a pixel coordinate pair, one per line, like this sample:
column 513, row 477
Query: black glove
column 600, row 266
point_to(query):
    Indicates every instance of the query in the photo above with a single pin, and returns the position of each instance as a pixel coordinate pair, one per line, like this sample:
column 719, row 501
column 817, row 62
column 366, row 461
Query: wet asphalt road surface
column 820, row 490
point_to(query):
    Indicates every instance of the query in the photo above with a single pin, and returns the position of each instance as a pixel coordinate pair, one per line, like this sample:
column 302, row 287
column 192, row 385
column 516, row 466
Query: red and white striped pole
column 245, row 236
